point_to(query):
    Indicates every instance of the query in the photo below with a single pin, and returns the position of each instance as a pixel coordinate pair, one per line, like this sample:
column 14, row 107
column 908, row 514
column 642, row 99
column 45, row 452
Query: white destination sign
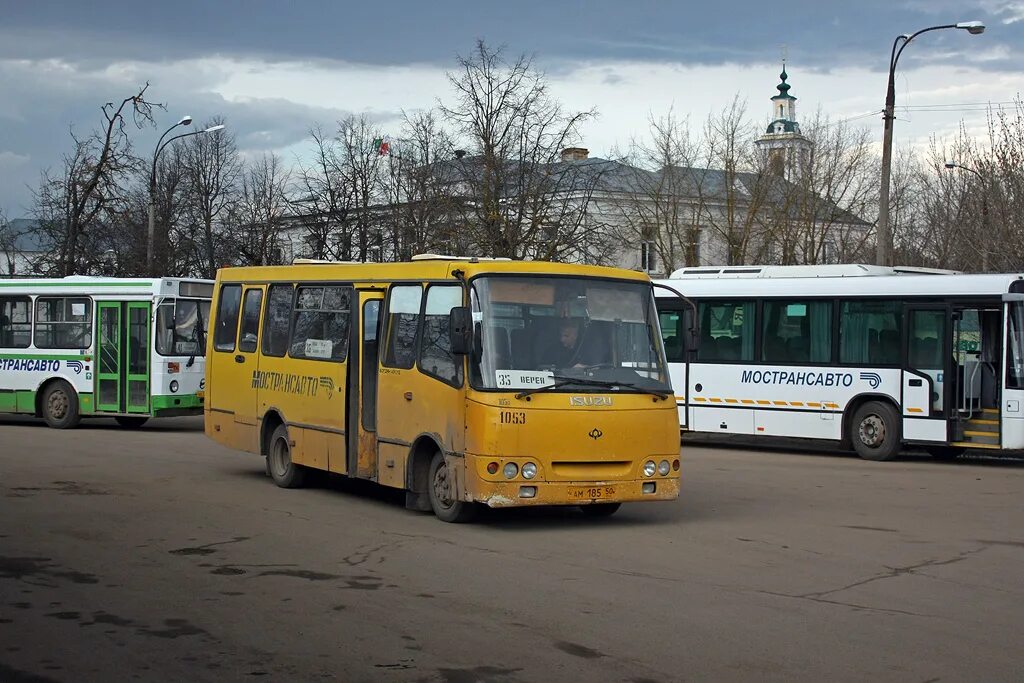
column 319, row 348
column 522, row 379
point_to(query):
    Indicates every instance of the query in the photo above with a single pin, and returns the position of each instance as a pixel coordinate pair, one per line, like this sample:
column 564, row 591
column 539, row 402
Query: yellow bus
column 462, row 381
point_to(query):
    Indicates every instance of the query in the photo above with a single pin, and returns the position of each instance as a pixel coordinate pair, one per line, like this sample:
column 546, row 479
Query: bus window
column 320, row 330
column 727, row 331
column 402, row 321
column 247, row 340
column 674, row 335
column 227, row 317
column 63, row 322
column 180, row 325
column 436, row 358
column 797, row 332
column 869, row 332
column 15, row 322
column 276, row 320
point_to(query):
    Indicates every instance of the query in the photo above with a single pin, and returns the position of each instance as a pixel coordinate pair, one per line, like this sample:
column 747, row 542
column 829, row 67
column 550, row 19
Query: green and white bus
column 82, row 346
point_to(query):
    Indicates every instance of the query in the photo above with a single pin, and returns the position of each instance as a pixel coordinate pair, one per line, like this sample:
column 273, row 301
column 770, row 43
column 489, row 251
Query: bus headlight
column 529, row 471
column 174, row 386
column 650, row 468
column 664, row 467
column 510, row 470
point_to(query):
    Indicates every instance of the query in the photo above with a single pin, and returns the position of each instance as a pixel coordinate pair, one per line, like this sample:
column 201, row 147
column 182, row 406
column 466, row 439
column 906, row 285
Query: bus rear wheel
column 131, row 421
column 600, row 509
column 283, row 471
column 60, row 406
column 875, row 431
column 443, row 499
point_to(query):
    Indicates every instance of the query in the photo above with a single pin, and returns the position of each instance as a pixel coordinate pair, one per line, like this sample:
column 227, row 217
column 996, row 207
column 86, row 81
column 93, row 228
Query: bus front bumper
column 519, row 493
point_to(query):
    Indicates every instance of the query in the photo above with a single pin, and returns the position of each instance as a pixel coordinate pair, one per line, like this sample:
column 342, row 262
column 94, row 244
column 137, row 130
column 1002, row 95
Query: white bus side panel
column 782, row 400
column 1013, row 419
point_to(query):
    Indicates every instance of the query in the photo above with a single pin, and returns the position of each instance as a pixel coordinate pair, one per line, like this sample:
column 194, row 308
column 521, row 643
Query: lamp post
column 160, row 146
column 984, row 210
column 884, row 254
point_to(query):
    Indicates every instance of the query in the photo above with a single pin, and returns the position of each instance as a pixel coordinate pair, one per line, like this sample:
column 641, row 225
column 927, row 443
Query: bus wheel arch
column 268, row 425
column 57, row 402
column 872, row 427
column 417, row 472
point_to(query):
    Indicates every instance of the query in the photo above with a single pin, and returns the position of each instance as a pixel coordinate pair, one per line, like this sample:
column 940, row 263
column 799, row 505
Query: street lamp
column 984, row 210
column 160, row 145
column 884, row 254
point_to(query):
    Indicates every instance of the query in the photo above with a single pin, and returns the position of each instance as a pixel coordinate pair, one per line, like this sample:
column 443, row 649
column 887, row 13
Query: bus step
column 983, row 425
column 973, row 444
column 981, row 438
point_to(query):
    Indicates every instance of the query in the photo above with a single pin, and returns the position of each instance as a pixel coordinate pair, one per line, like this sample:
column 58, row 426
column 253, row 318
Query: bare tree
column 91, row 185
column 655, row 205
column 514, row 205
column 258, row 218
column 213, row 169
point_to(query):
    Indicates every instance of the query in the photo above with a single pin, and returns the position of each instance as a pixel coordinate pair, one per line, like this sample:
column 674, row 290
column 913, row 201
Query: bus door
column 928, row 373
column 363, row 368
column 237, row 368
column 676, row 324
column 122, row 368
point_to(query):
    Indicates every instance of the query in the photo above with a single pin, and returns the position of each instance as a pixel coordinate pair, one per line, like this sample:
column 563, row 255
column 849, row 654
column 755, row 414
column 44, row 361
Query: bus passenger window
column 276, row 320
column 63, row 322
column 402, row 326
column 673, row 334
column 797, row 332
column 321, row 326
column 227, row 317
column 247, row 340
column 15, row 322
column 869, row 332
column 726, row 331
column 436, row 356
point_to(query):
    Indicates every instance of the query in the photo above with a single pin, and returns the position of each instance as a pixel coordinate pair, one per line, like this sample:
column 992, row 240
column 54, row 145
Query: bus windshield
column 536, row 331
column 179, row 331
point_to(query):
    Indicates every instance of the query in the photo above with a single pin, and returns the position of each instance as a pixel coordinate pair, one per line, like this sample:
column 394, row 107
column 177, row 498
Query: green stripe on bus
column 175, row 401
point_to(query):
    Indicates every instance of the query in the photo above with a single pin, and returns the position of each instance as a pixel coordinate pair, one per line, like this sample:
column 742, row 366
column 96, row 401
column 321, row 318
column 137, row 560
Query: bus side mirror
column 460, row 326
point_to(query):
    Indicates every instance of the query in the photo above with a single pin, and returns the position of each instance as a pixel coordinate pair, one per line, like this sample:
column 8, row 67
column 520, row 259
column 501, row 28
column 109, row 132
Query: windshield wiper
column 563, row 380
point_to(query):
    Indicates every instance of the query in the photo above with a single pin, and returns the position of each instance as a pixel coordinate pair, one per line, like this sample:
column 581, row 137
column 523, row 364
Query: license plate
column 591, row 492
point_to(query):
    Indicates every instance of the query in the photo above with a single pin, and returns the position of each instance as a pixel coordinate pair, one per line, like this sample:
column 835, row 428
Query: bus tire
column 600, row 509
column 945, row 453
column 60, row 405
column 442, row 499
column 131, row 421
column 283, row 471
column 875, row 431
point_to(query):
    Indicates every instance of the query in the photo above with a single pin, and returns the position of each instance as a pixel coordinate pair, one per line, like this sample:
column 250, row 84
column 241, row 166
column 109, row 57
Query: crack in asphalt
column 894, row 572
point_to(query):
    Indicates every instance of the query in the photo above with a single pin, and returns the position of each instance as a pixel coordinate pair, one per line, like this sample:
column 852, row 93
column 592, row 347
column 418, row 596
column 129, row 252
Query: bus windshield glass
column 538, row 331
column 179, row 330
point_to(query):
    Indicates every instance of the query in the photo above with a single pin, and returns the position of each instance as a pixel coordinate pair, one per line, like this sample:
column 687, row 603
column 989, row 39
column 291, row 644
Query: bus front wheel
column 283, row 471
column 875, row 431
column 60, row 406
column 443, row 499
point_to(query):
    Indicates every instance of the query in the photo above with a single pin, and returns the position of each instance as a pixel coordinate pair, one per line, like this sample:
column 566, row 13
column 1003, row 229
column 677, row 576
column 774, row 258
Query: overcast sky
column 274, row 69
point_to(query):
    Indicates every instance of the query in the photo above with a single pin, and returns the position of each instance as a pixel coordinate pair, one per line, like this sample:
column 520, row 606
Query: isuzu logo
column 590, row 400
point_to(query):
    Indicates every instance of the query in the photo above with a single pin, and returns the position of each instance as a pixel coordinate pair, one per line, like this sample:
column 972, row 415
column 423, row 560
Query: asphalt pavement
column 158, row 555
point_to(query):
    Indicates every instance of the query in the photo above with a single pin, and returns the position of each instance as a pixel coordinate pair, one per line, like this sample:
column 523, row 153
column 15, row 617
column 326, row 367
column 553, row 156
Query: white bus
column 876, row 358
column 80, row 346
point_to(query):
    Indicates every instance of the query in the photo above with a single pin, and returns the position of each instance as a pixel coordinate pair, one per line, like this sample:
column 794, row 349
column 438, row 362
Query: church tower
column 788, row 151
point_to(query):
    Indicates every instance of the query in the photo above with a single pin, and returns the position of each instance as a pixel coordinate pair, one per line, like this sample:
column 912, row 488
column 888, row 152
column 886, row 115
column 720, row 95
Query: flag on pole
column 382, row 146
